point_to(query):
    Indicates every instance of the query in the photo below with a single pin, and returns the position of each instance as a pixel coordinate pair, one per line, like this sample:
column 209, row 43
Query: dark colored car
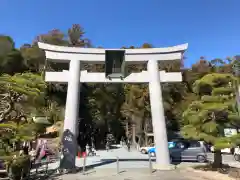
column 186, row 150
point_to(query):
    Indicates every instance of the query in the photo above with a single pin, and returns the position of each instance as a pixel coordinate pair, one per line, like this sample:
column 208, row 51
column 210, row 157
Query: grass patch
column 232, row 172
column 210, row 167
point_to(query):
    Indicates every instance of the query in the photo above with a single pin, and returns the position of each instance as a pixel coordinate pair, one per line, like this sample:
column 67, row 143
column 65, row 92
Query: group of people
column 126, row 142
column 41, row 150
column 37, row 153
column 26, row 148
column 122, row 142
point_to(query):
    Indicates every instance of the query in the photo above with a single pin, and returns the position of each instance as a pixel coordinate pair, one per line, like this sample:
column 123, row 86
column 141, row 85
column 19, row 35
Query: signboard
column 114, row 63
column 41, row 120
column 228, row 132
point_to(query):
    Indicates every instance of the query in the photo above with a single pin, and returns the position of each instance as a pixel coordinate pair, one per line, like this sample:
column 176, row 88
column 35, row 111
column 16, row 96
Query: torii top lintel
column 97, row 55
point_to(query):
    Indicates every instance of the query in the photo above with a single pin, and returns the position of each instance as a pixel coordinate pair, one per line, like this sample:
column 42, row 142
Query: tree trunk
column 127, row 128
column 145, row 131
column 17, row 145
column 145, row 139
column 217, row 163
column 134, row 134
column 140, row 141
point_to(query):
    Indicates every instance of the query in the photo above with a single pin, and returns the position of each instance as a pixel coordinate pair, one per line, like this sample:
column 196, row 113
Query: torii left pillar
column 158, row 118
column 69, row 138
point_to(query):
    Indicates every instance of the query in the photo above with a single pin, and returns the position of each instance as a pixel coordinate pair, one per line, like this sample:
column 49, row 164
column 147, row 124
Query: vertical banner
column 69, row 150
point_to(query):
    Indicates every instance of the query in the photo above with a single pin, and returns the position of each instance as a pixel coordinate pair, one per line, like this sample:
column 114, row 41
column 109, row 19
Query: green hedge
column 18, row 166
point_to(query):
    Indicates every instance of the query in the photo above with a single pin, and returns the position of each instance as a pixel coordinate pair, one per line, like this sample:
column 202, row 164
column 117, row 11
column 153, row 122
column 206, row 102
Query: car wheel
column 143, row 151
column 153, row 154
column 236, row 157
column 201, row 159
column 60, row 171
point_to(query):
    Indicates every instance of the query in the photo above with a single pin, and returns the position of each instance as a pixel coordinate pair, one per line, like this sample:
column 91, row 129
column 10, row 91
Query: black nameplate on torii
column 115, row 64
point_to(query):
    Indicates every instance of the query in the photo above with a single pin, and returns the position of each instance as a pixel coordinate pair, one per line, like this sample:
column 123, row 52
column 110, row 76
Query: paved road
column 169, row 175
column 107, row 160
column 132, row 159
column 132, row 165
column 140, row 174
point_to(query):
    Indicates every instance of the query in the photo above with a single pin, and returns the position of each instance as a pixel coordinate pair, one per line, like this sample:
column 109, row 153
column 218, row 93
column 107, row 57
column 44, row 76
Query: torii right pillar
column 158, row 118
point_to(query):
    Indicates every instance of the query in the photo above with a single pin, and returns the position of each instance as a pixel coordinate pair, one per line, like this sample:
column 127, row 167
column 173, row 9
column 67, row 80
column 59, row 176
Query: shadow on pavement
column 139, row 160
column 54, row 174
column 111, row 147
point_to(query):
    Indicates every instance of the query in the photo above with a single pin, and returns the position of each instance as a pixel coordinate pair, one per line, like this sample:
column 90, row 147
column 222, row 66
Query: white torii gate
column 153, row 76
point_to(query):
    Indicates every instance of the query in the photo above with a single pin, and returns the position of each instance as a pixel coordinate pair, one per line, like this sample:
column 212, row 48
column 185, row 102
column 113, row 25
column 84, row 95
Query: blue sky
column 211, row 27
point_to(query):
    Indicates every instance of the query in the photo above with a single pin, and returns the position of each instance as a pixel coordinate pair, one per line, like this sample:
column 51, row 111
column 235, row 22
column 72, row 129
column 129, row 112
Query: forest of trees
column 200, row 107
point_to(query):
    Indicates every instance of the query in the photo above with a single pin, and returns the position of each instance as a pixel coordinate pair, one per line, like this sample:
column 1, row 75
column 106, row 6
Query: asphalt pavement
column 132, row 165
column 132, row 159
column 134, row 175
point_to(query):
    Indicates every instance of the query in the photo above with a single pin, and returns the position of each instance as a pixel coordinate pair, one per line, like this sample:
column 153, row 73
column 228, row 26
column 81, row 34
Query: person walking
column 87, row 150
column 107, row 146
column 128, row 145
column 122, row 141
column 38, row 148
column 25, row 147
column 42, row 150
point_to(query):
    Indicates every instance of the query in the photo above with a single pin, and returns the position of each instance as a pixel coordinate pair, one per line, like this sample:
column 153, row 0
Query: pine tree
column 206, row 118
column 19, row 94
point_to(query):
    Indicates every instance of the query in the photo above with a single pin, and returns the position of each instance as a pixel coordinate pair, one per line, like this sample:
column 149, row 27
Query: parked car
column 152, row 150
column 144, row 150
column 186, row 151
column 236, row 154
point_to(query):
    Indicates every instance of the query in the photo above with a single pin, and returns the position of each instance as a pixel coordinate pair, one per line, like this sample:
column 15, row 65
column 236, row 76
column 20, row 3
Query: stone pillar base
column 162, row 167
